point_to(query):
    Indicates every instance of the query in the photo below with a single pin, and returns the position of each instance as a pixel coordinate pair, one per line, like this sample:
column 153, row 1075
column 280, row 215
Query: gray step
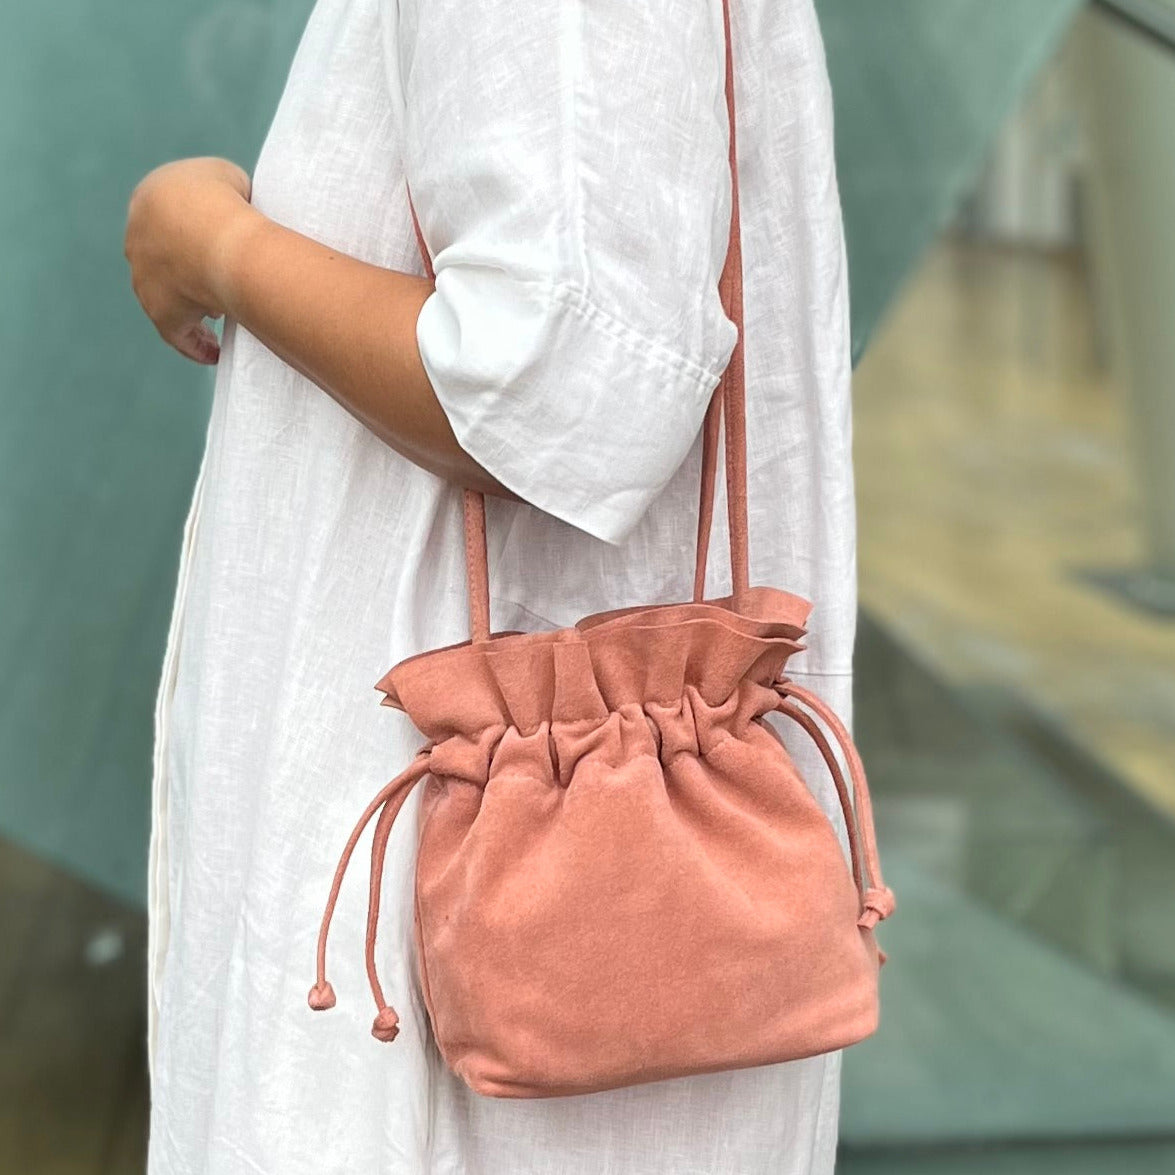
column 989, row 1033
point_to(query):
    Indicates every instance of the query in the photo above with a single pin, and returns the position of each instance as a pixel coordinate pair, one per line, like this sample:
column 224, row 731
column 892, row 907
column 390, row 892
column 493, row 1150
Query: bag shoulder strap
column 726, row 413
column 730, row 396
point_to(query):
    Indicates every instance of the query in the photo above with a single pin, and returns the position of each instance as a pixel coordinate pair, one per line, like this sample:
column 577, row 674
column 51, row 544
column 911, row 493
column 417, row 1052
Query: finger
column 198, row 343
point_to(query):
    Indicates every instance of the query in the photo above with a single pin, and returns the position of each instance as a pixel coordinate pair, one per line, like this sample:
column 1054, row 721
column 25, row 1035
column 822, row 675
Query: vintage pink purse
column 621, row 876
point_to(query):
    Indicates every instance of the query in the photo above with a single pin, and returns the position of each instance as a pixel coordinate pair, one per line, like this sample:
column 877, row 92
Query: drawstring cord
column 877, row 899
column 804, row 719
column 390, row 799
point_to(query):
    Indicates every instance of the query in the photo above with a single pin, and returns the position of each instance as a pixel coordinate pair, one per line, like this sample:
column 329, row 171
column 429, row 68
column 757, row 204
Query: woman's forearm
column 348, row 326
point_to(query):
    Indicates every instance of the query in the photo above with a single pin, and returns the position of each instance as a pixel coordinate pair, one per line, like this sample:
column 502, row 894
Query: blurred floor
column 73, row 1091
column 1029, row 998
column 994, row 471
column 1099, row 1159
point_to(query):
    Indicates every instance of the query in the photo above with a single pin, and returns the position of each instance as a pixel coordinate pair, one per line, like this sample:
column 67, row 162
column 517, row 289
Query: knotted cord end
column 386, row 1026
column 322, row 997
column 879, row 905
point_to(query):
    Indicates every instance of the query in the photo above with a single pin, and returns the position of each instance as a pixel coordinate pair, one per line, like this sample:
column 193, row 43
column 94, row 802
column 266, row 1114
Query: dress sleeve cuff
column 566, row 406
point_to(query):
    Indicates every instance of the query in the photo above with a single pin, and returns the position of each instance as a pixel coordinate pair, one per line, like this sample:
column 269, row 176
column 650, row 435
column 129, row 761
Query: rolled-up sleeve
column 568, row 164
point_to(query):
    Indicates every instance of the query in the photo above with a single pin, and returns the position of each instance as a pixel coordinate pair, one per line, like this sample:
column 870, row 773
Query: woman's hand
column 182, row 221
column 198, row 249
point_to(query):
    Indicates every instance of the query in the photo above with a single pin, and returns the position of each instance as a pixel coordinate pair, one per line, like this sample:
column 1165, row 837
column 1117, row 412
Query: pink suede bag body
column 621, row 876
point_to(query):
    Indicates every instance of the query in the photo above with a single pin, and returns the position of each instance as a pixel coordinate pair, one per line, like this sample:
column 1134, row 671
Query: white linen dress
column 569, row 164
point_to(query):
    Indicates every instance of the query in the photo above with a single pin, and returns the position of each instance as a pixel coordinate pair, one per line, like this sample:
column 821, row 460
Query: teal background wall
column 920, row 88
column 101, row 425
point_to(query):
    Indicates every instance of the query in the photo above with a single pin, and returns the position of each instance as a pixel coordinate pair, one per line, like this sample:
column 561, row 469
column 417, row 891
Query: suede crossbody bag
column 621, row 876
